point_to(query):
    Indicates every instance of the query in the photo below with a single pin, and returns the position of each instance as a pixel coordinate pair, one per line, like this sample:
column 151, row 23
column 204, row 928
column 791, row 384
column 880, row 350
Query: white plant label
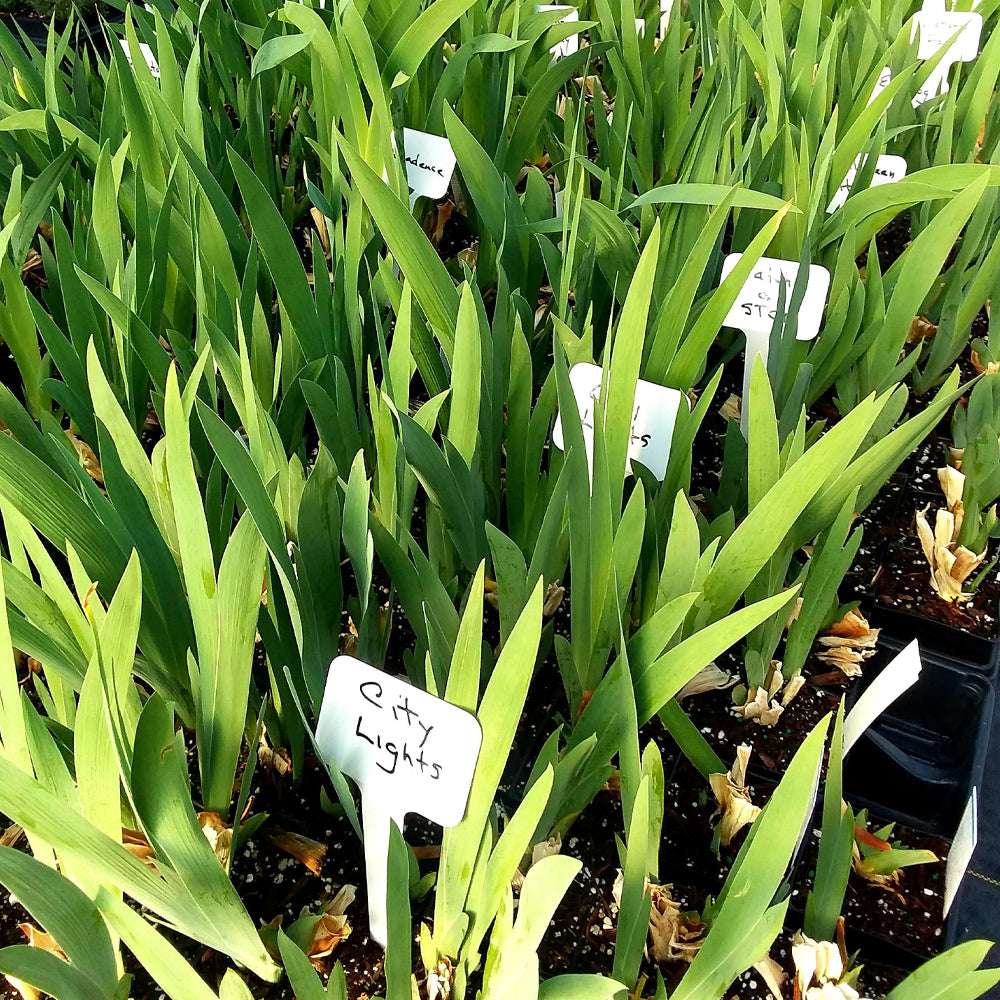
column 430, row 163
column 407, row 750
column 935, row 27
column 962, row 849
column 653, row 417
column 883, row 81
column 568, row 45
column 756, row 307
column 147, row 54
column 807, row 819
column 888, row 170
column 899, row 675
column 666, row 6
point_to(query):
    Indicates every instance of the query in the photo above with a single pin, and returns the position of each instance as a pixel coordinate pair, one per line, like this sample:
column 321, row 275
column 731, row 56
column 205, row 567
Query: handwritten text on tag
column 935, row 28
column 407, row 750
column 147, row 54
column 756, row 306
column 883, row 81
column 430, row 163
column 654, row 414
column 888, row 169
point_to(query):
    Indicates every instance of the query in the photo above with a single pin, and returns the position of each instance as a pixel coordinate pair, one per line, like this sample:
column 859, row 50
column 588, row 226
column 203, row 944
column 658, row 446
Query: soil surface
column 903, row 580
column 902, row 923
column 773, row 746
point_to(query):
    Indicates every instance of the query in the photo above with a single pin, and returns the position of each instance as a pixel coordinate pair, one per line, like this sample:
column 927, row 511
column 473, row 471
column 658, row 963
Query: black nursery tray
column 920, row 760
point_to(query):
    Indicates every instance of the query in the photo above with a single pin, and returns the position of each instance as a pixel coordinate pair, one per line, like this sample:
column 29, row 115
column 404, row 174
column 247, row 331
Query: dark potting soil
column 773, row 746
column 709, row 447
column 454, row 235
column 860, row 578
column 581, row 938
column 908, row 916
column 890, row 242
column 903, row 581
column 687, row 858
column 273, row 884
column 920, row 467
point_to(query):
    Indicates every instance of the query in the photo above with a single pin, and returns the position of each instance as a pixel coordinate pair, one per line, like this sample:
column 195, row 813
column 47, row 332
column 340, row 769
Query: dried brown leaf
column 310, row 852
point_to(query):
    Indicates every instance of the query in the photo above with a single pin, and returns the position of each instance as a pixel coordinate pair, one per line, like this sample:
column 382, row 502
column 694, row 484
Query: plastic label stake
column 654, row 414
column 807, row 819
column 888, row 170
column 883, row 81
column 666, row 7
column 962, row 849
column 935, row 27
column 899, row 675
column 407, row 750
column 756, row 307
column 568, row 45
column 147, row 54
column 430, row 163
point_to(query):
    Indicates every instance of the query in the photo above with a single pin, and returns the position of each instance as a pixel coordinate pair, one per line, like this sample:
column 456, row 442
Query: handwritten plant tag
column 568, row 45
column 899, row 675
column 935, row 27
column 147, row 54
column 888, row 170
column 962, row 849
column 430, row 163
column 653, row 417
column 756, row 307
column 883, row 81
column 407, row 750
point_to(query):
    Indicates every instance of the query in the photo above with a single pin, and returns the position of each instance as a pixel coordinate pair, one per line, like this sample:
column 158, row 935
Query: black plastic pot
column 880, row 947
column 872, row 946
column 899, row 626
column 920, row 760
column 945, row 641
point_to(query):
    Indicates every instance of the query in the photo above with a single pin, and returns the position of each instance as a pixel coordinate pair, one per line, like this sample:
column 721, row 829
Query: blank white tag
column 147, row 54
column 888, row 170
column 962, row 849
column 407, row 750
column 899, row 675
column 807, row 819
column 430, row 163
column 756, row 307
column 654, row 414
column 666, row 6
column 568, row 45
